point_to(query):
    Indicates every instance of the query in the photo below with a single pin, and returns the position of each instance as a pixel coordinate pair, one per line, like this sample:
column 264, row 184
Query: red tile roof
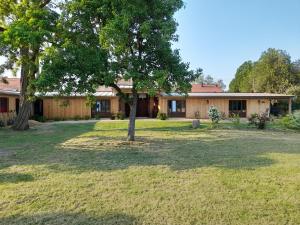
column 13, row 84
column 205, row 88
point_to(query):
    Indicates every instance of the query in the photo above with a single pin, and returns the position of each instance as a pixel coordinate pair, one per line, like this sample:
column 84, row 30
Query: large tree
column 241, row 82
column 25, row 26
column 273, row 72
column 105, row 42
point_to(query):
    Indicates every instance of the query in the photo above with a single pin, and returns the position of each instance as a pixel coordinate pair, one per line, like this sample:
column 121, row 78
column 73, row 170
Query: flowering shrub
column 259, row 120
column 214, row 114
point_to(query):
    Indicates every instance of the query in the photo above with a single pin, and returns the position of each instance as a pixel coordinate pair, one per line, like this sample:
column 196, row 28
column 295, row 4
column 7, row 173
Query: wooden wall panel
column 66, row 108
column 114, row 105
column 257, row 106
column 200, row 105
column 11, row 102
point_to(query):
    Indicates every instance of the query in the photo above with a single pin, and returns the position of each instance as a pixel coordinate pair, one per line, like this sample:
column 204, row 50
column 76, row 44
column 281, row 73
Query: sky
column 219, row 35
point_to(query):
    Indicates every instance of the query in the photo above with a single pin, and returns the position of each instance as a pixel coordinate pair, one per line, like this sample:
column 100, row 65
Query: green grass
column 173, row 174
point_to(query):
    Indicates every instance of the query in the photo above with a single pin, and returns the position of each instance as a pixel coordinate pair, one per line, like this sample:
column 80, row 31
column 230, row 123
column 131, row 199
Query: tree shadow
column 69, row 219
column 15, row 177
column 70, row 148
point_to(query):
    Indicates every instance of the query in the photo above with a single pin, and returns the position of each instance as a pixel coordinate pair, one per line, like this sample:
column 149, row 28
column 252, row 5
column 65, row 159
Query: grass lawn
column 173, row 174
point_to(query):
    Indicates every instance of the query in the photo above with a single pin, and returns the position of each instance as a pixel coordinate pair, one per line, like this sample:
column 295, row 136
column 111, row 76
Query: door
column 142, row 109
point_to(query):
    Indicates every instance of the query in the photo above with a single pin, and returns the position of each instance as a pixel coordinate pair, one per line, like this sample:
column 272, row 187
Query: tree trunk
column 21, row 122
column 132, row 116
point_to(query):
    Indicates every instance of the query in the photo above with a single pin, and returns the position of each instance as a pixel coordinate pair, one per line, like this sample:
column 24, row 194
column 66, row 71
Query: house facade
column 197, row 102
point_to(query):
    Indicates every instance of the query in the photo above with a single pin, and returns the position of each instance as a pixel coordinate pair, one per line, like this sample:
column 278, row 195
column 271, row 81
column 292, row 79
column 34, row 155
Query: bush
column 120, row 116
column 87, row 117
column 259, row 120
column 162, row 116
column 292, row 121
column 197, row 115
column 214, row 114
column 10, row 122
column 112, row 116
column 97, row 117
column 235, row 118
column 77, row 117
column 38, row 118
column 2, row 124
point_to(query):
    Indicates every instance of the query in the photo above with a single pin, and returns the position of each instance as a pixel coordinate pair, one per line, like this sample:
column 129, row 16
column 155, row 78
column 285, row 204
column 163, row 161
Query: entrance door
column 142, row 109
column 38, row 108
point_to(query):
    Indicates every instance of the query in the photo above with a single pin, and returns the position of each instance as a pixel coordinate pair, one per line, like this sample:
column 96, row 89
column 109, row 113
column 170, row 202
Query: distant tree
column 273, row 72
column 209, row 80
column 221, row 84
column 241, row 82
column 25, row 26
column 135, row 45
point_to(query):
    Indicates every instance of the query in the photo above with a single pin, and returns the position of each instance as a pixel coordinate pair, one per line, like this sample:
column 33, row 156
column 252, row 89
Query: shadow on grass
column 69, row 219
column 15, row 177
column 67, row 147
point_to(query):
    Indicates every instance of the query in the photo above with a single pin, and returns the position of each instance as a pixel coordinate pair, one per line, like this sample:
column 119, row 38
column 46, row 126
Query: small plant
column 38, row 118
column 259, row 120
column 10, row 122
column 86, row 117
column 235, row 118
column 97, row 117
column 197, row 115
column 292, row 121
column 2, row 124
column 77, row 117
column 214, row 114
column 113, row 116
column 162, row 116
column 120, row 116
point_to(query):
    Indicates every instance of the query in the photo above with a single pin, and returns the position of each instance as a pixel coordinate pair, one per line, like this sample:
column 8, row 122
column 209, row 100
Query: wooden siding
column 11, row 102
column 257, row 106
column 202, row 105
column 71, row 107
column 194, row 105
column 66, row 108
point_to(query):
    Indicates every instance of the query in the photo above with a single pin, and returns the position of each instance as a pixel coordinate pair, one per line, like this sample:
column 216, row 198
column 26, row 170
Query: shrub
column 214, row 114
column 38, row 118
column 120, row 116
column 162, row 116
column 2, row 124
column 97, row 117
column 77, row 117
column 112, row 116
column 235, row 118
column 292, row 121
column 10, row 122
column 197, row 115
column 259, row 120
column 86, row 117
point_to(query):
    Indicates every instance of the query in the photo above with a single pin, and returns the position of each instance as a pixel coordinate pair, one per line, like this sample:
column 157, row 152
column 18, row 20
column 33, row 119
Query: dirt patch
column 34, row 123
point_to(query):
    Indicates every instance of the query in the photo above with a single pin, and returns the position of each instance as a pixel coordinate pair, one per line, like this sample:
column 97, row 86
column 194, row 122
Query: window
column 238, row 107
column 176, row 108
column 3, row 105
column 102, row 106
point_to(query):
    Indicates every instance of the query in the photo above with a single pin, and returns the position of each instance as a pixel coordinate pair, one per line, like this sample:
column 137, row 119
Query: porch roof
column 230, row 95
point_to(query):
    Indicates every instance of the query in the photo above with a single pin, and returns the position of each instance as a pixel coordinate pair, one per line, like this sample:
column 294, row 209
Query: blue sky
column 219, row 35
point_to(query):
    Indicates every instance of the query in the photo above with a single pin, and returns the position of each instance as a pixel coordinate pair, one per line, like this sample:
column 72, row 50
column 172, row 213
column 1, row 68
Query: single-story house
column 197, row 102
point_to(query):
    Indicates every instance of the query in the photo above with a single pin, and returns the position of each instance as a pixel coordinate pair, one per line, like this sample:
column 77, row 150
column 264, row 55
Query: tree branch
column 44, row 3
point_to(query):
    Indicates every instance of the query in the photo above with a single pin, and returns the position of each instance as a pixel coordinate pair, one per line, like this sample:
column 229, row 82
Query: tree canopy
column 274, row 72
column 25, row 27
column 104, row 42
column 208, row 79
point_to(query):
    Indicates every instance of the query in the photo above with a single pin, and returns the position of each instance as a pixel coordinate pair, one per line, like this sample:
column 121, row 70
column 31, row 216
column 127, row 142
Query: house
column 197, row 101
